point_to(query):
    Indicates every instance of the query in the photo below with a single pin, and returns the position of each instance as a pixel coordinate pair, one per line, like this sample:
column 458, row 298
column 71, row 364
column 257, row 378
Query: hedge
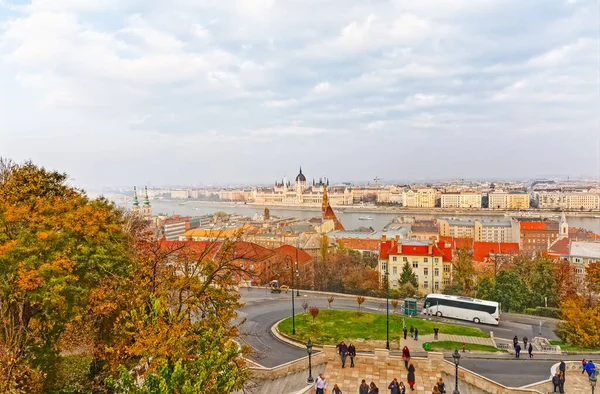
column 544, row 312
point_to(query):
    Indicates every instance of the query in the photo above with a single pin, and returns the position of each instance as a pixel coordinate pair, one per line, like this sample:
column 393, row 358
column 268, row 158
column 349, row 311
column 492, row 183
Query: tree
column 593, row 277
column 523, row 266
column 581, row 320
column 394, row 305
column 56, row 246
column 267, row 214
column 408, row 275
column 485, row 288
column 463, row 270
column 543, row 283
column 564, row 275
column 314, row 312
column 305, row 305
column 359, row 301
column 510, row 292
column 407, row 290
column 329, row 301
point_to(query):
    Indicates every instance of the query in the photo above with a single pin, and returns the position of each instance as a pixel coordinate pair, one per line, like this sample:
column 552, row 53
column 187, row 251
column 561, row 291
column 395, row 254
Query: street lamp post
column 309, row 351
column 593, row 380
column 456, row 357
column 297, row 269
column 293, row 304
column 387, row 308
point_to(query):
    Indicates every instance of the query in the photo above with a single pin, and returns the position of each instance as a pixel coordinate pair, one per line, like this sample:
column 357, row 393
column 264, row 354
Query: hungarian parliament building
column 303, row 192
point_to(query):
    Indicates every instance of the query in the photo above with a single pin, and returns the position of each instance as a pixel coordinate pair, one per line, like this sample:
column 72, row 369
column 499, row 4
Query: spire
column 146, row 199
column 325, row 200
column 300, row 169
column 136, row 203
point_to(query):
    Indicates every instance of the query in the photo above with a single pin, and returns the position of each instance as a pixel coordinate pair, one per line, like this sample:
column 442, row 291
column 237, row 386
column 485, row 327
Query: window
column 425, row 260
column 415, row 264
column 384, row 267
column 446, row 281
column 394, row 258
column 425, row 284
column 436, row 285
column 405, row 259
column 437, row 260
column 395, row 283
column 579, row 270
column 417, row 278
column 425, row 271
column 436, row 272
column 395, row 270
column 447, row 268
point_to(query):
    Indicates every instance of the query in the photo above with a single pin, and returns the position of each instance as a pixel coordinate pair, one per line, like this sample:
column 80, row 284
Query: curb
column 289, row 340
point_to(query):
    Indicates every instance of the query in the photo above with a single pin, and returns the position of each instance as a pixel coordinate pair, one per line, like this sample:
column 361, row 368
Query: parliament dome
column 300, row 177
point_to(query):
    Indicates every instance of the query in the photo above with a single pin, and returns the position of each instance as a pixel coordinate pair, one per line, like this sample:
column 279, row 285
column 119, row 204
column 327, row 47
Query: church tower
column 135, row 209
column 327, row 212
column 146, row 208
column 563, row 231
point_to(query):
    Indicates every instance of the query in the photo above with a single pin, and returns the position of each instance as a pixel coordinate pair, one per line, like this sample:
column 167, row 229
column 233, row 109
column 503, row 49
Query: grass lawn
column 332, row 326
column 567, row 348
column 451, row 345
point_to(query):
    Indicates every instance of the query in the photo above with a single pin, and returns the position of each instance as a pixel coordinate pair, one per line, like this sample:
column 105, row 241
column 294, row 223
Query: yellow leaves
column 43, row 235
column 581, row 322
column 28, row 279
column 7, row 246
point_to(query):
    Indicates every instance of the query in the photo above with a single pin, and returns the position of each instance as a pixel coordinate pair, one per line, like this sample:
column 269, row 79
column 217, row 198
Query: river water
column 349, row 219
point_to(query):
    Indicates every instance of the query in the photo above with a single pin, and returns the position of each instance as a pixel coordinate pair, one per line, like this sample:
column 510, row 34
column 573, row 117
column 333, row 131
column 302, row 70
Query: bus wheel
column 439, row 314
column 476, row 320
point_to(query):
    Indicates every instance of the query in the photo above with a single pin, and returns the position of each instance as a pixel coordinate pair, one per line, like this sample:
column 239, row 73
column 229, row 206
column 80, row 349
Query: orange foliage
column 581, row 322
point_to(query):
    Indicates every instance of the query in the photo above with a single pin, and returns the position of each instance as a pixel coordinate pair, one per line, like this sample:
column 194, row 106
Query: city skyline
column 124, row 93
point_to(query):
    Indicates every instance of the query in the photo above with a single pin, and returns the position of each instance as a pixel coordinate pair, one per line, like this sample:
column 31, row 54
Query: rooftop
column 585, row 249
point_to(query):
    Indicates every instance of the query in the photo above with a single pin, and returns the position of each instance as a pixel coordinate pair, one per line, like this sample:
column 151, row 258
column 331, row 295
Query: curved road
column 263, row 309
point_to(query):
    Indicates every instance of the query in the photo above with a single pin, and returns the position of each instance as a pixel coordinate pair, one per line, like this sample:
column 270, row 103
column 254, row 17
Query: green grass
column 451, row 345
column 571, row 348
column 332, row 326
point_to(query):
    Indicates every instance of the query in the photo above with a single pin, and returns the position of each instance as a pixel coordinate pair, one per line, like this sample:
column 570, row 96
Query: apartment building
column 508, row 200
column 581, row 200
column 461, row 200
column 480, row 230
column 420, row 198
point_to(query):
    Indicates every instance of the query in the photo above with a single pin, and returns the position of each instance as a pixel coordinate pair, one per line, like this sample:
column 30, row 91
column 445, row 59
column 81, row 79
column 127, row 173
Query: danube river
column 350, row 220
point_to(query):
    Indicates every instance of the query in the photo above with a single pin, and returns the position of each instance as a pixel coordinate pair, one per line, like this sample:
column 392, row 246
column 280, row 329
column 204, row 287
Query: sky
column 124, row 92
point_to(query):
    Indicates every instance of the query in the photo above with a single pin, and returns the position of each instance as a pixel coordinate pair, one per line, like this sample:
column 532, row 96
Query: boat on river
column 365, row 218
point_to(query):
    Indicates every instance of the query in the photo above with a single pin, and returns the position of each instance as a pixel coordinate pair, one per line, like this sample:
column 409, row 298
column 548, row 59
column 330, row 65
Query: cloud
column 308, row 80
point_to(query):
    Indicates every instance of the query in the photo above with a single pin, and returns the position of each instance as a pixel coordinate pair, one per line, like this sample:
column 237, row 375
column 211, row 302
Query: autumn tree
column 329, row 301
column 314, row 312
column 463, row 270
column 581, row 319
column 56, row 247
column 359, row 301
column 267, row 214
column 394, row 305
column 593, row 277
column 564, row 275
column 408, row 276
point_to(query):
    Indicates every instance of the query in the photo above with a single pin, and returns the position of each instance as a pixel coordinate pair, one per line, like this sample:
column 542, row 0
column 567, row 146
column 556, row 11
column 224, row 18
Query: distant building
column 480, row 230
column 580, row 200
column 508, row 200
column 424, row 230
column 420, row 198
column 537, row 237
column 461, row 200
column 145, row 210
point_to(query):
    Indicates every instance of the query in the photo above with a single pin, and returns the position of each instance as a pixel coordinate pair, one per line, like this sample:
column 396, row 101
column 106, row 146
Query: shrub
column 330, row 300
column 360, row 300
column 554, row 313
column 314, row 311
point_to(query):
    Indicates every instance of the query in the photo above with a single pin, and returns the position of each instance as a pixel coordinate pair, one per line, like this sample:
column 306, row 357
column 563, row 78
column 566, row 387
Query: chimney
column 383, row 238
column 397, row 238
column 430, row 248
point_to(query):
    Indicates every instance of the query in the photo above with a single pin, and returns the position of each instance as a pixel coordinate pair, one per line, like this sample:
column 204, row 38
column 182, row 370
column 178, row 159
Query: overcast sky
column 123, row 92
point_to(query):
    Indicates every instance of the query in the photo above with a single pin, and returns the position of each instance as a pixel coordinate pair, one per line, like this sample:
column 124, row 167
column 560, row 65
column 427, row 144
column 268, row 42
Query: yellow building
column 214, row 233
column 506, row 200
column 420, row 198
column 461, row 200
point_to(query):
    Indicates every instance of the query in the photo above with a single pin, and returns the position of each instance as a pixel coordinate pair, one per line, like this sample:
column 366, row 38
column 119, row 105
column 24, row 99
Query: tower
column 327, row 212
column 300, row 182
column 563, row 229
column 135, row 209
column 146, row 208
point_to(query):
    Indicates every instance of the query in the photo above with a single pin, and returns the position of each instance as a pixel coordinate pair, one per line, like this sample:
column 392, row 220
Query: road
column 263, row 309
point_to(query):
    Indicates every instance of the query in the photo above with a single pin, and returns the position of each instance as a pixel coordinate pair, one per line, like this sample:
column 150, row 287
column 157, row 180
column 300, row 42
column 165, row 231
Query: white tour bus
column 465, row 308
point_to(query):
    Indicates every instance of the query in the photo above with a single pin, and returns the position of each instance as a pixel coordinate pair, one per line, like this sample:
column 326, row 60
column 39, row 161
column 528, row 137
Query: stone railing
column 544, row 345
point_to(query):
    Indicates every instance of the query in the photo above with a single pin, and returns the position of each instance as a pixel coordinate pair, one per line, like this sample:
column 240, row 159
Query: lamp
column 456, row 358
column 309, row 346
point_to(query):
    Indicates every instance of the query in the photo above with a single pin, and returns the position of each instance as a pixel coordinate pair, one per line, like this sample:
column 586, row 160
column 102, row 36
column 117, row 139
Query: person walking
column 515, row 341
column 583, row 362
column 352, row 354
column 530, row 350
column 517, row 350
column 561, row 383
column 410, row 377
column 343, row 352
column 441, row 386
column 435, row 390
column 336, row 389
column 562, row 367
column 402, row 388
column 373, row 389
column 321, row 384
column 363, row 388
column 405, row 356
column 525, row 342
column 590, row 368
column 404, row 330
column 416, row 334
column 556, row 381
column 394, row 387
column 435, row 333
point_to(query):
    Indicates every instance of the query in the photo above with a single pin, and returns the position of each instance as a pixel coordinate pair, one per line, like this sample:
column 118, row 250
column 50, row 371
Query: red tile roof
column 241, row 249
column 385, row 248
column 359, row 243
column 289, row 250
column 391, row 248
column 559, row 247
column 532, row 225
column 457, row 243
column 482, row 250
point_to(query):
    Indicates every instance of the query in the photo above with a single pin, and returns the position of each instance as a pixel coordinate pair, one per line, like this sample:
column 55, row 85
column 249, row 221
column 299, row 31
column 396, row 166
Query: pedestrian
column 525, row 342
column 394, row 387
column 561, row 383
column 336, row 389
column 373, row 389
column 406, row 356
column 515, row 341
column 590, row 368
column 363, row 388
column 556, row 381
column 435, row 333
column 562, row 367
column 412, row 331
column 402, row 388
column 410, row 377
column 517, row 350
column 530, row 350
column 441, row 386
column 321, row 384
column 435, row 390
column 416, row 334
column 583, row 362
column 352, row 354
column 343, row 352
column 404, row 330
